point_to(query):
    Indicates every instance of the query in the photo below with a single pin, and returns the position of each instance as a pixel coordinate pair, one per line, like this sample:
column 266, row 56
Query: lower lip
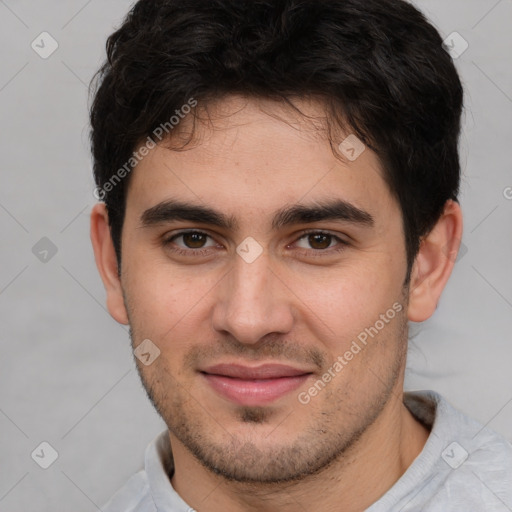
column 254, row 392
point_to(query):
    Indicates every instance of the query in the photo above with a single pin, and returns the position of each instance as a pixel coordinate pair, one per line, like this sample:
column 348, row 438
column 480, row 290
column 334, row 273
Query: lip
column 252, row 386
column 264, row 371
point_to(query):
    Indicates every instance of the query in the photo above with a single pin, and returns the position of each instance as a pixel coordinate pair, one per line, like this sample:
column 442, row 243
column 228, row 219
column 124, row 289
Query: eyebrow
column 334, row 210
column 337, row 210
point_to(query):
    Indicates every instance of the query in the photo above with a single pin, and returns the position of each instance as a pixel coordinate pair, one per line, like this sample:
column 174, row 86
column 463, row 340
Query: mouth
column 254, row 386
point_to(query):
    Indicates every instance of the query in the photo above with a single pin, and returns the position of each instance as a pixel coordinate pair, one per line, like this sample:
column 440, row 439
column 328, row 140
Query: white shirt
column 463, row 467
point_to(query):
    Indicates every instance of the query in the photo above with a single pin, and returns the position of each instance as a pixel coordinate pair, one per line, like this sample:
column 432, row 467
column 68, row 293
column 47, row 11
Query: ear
column 434, row 263
column 106, row 262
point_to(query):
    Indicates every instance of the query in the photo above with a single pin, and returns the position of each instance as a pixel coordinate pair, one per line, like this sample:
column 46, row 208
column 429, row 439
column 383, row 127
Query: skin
column 301, row 302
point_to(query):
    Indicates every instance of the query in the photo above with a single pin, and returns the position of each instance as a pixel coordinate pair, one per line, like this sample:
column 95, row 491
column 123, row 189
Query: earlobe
column 434, row 263
column 106, row 261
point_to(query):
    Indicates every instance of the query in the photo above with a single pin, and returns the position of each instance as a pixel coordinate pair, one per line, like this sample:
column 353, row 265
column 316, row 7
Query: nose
column 252, row 302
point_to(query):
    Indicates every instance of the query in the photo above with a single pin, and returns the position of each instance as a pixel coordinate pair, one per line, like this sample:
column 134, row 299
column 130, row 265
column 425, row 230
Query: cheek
column 348, row 298
column 165, row 300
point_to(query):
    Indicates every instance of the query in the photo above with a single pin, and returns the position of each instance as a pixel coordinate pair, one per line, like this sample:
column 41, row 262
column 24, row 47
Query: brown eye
column 320, row 240
column 190, row 241
column 194, row 240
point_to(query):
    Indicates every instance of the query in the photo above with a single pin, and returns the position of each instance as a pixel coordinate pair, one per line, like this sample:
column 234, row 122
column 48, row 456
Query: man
column 279, row 182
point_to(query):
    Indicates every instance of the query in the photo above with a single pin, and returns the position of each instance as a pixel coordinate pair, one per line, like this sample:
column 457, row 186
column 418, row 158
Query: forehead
column 255, row 156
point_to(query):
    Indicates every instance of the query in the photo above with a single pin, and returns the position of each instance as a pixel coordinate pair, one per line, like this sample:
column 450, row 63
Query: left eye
column 192, row 240
column 319, row 241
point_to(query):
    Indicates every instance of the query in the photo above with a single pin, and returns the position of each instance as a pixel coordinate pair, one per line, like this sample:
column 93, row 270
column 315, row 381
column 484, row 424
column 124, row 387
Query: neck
column 351, row 483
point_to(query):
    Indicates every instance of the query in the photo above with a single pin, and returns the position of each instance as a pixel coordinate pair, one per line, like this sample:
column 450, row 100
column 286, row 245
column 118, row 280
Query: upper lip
column 264, row 371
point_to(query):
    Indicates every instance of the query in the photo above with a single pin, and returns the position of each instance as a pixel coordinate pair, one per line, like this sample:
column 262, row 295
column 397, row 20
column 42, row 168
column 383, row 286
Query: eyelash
column 168, row 243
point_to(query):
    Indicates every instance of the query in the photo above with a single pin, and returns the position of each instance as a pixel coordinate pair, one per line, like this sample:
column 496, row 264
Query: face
column 268, row 271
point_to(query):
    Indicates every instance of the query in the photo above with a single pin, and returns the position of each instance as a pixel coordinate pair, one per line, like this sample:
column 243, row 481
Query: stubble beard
column 240, row 459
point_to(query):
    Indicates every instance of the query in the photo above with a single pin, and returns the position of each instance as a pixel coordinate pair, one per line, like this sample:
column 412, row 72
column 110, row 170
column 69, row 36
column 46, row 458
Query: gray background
column 66, row 371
